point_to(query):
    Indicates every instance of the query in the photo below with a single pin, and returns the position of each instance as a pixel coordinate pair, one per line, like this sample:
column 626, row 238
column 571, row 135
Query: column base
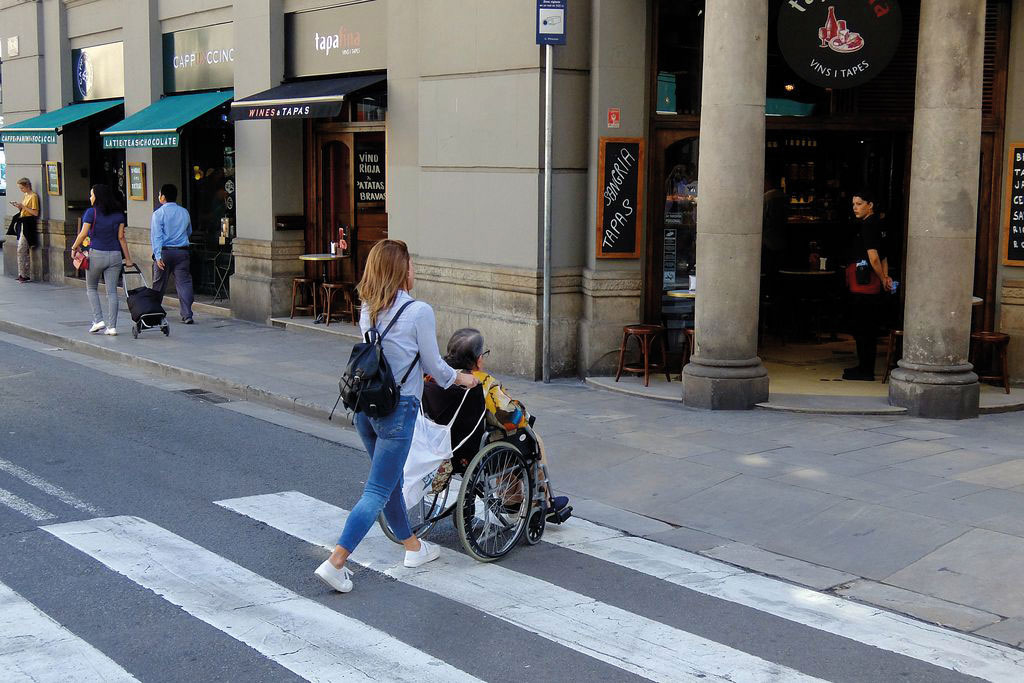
column 942, row 392
column 724, row 385
column 262, row 283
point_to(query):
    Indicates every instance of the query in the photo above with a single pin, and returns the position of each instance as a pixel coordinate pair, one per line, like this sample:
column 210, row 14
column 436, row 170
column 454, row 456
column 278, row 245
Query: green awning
column 160, row 124
column 43, row 129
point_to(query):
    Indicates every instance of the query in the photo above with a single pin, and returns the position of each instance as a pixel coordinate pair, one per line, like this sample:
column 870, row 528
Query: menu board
column 620, row 200
column 1013, row 252
column 370, row 178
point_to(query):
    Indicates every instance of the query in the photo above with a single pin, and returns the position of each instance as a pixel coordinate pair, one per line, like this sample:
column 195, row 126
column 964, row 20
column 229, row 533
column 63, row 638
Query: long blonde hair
column 386, row 272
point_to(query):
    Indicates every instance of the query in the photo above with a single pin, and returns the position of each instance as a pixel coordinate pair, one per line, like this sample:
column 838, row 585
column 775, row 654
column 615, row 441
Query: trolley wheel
column 135, row 331
column 166, row 329
column 535, row 527
column 422, row 516
column 494, row 502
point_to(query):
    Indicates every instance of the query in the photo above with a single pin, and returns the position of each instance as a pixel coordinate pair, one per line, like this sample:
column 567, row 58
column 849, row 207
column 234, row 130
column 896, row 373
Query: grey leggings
column 108, row 265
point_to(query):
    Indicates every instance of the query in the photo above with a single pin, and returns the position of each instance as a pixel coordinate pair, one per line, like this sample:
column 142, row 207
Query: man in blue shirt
column 169, row 233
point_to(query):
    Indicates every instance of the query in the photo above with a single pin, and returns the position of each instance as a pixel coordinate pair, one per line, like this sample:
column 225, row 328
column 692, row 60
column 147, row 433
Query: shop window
column 680, row 56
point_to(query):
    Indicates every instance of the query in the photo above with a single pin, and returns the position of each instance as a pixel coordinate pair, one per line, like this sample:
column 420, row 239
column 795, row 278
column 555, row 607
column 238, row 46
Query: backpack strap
column 395, row 319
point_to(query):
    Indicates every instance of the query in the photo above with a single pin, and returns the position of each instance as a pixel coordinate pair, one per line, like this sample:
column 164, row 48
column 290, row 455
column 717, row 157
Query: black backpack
column 368, row 386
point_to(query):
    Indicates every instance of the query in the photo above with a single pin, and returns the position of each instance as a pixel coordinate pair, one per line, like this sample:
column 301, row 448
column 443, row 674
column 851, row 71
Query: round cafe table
column 324, row 260
column 682, row 293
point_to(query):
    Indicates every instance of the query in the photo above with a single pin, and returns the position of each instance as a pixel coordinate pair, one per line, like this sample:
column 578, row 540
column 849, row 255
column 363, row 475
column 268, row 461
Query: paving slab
column 861, row 538
column 755, row 464
column 685, row 538
column 1005, row 475
column 847, row 487
column 952, row 462
column 897, row 450
column 773, row 564
column 909, row 432
column 807, row 458
column 921, row 482
column 668, row 445
column 1009, row 631
column 617, row 518
column 981, row 569
column 747, row 508
column 920, row 606
column 854, row 440
column 737, row 443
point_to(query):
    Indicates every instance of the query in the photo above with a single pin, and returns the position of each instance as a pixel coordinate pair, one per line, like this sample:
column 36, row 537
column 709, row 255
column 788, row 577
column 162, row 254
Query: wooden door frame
column 316, row 138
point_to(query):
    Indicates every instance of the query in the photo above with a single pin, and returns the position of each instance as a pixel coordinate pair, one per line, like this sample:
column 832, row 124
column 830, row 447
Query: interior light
column 789, row 87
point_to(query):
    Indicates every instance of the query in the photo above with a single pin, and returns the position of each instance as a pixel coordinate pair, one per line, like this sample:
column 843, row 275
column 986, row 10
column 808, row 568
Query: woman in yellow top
column 24, row 226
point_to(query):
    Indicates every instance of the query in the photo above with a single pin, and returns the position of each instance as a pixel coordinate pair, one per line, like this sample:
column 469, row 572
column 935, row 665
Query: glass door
column 672, row 247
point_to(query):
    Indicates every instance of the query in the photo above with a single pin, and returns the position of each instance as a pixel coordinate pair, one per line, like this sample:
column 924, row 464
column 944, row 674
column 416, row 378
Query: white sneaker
column 338, row 579
column 96, row 327
column 428, row 552
column 111, row 331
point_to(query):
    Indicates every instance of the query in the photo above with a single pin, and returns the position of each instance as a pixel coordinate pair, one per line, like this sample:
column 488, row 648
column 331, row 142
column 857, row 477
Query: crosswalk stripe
column 46, row 487
column 869, row 625
column 22, row 506
column 34, row 647
column 301, row 635
column 631, row 642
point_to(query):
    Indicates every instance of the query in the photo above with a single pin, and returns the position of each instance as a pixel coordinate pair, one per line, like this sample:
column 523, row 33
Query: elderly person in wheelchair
column 504, row 417
column 495, row 486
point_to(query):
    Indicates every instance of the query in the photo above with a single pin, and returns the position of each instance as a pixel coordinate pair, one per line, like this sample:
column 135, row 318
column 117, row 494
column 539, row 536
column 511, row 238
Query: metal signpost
column 550, row 31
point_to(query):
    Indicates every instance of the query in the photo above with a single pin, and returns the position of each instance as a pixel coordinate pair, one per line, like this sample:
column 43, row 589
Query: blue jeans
column 387, row 440
column 106, row 265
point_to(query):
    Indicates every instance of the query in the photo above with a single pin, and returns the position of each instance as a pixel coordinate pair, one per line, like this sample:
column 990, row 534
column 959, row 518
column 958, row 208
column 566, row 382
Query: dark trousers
column 176, row 261
column 865, row 314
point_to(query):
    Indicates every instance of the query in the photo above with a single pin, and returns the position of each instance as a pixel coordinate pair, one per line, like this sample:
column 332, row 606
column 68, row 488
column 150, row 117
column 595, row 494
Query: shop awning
column 302, row 99
column 43, row 129
column 160, row 124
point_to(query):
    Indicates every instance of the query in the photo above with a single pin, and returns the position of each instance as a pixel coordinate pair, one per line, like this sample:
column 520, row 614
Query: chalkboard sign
column 620, row 197
column 1013, row 251
column 137, row 181
column 370, row 174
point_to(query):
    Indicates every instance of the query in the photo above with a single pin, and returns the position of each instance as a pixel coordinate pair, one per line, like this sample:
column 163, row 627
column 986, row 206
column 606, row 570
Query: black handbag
column 368, row 385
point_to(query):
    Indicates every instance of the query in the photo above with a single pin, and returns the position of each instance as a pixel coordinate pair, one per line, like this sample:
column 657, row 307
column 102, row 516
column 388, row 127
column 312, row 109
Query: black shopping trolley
column 144, row 304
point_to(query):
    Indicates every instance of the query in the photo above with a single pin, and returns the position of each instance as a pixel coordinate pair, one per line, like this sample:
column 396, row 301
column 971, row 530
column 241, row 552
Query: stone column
column 934, row 378
column 725, row 372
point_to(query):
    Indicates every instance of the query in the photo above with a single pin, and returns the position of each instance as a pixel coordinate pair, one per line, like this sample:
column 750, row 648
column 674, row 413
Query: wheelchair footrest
column 561, row 515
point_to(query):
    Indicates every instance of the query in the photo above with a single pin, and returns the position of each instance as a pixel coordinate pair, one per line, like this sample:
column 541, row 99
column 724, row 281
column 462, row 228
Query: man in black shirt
column 867, row 278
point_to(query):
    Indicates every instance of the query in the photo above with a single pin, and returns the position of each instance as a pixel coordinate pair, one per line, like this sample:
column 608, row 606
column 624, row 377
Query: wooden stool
column 644, row 334
column 999, row 343
column 298, row 284
column 689, row 346
column 893, row 352
column 330, row 289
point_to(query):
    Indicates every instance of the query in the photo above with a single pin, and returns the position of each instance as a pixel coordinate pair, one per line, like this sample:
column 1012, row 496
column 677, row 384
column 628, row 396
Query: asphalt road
column 79, row 443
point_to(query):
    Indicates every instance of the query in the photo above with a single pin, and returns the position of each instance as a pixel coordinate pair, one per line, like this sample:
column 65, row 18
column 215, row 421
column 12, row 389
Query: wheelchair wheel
column 494, row 502
column 422, row 517
column 535, row 526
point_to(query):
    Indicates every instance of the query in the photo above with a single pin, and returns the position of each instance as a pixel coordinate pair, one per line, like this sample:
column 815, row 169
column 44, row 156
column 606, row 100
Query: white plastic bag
column 431, row 445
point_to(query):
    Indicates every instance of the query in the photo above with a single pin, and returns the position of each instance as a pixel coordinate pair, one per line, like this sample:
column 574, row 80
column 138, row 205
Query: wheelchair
column 497, row 501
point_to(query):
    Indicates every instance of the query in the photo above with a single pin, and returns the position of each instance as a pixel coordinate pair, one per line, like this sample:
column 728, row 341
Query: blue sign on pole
column 551, row 22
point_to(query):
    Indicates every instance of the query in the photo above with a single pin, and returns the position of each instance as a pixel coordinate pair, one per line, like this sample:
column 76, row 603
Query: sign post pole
column 550, row 31
column 549, row 59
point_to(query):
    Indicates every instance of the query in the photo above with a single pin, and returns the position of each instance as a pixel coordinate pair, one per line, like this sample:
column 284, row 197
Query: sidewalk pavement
column 923, row 517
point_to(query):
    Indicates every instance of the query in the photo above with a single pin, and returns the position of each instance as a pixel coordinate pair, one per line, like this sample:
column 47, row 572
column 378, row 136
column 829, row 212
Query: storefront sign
column 336, row 40
column 131, row 141
column 551, row 22
column 199, row 59
column 1013, row 248
column 839, row 43
column 137, row 181
column 41, row 138
column 54, row 185
column 370, row 174
column 619, row 209
column 98, row 72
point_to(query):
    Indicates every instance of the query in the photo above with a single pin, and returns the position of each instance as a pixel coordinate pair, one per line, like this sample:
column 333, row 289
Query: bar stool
column 644, row 334
column 330, row 290
column 892, row 352
column 689, row 346
column 999, row 343
column 309, row 285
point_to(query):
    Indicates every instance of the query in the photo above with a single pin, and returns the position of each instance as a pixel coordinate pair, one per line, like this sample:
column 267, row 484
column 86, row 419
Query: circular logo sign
column 83, row 75
column 839, row 43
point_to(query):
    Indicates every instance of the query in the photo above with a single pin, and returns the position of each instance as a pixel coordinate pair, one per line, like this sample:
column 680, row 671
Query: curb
column 202, row 380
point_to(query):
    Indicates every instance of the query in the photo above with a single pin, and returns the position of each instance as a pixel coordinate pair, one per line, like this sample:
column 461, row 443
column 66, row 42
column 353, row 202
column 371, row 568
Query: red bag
column 873, row 286
column 80, row 260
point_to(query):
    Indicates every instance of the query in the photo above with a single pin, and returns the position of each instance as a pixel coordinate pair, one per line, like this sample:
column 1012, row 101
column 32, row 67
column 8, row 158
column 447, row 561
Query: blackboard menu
column 620, row 199
column 370, row 173
column 1013, row 254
